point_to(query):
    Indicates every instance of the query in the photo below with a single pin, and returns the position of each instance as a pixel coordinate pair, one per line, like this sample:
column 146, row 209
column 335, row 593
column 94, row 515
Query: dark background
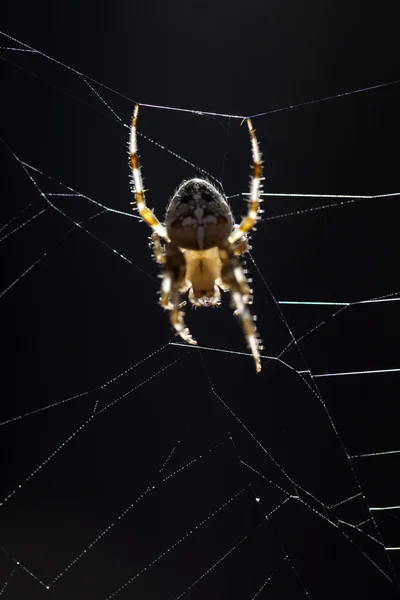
column 134, row 468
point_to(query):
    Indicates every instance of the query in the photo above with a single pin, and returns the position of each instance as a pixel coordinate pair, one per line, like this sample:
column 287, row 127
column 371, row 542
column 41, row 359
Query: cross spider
column 202, row 245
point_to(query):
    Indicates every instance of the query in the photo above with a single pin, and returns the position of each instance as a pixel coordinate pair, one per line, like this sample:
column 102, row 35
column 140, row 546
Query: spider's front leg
column 233, row 277
column 253, row 210
column 173, row 281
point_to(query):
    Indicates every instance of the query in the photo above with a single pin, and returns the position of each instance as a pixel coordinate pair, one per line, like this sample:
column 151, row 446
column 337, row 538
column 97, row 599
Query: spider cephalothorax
column 202, row 245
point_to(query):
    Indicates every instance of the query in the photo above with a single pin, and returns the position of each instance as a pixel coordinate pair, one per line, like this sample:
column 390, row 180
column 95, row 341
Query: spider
column 201, row 245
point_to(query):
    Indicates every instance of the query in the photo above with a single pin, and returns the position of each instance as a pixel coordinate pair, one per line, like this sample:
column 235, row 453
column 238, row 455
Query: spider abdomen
column 198, row 217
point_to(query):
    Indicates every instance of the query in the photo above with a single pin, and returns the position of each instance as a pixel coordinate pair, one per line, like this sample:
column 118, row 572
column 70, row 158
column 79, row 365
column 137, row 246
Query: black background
column 82, row 331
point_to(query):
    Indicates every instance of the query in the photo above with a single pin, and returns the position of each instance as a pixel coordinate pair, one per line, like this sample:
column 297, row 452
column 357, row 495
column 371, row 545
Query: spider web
column 137, row 466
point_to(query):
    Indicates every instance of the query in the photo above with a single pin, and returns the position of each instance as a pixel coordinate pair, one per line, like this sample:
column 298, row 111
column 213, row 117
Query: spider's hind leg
column 234, row 278
column 173, row 281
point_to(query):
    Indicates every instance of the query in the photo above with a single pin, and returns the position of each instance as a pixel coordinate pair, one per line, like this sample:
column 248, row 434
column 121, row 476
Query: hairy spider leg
column 147, row 215
column 233, row 277
column 174, row 279
column 255, row 187
column 241, row 247
column 158, row 250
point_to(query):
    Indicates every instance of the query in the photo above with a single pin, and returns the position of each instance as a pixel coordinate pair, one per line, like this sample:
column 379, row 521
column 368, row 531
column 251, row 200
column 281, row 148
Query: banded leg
column 173, row 281
column 255, row 186
column 241, row 247
column 158, row 250
column 147, row 215
column 233, row 276
column 238, row 249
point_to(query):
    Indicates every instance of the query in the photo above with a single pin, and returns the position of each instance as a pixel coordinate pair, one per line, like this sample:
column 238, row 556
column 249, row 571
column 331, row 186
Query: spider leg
column 241, row 247
column 147, row 215
column 255, row 185
column 224, row 287
column 158, row 250
column 161, row 257
column 233, row 277
column 173, row 282
column 238, row 249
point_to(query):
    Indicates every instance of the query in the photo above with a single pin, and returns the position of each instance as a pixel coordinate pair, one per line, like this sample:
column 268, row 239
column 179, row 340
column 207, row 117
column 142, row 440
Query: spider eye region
column 198, row 217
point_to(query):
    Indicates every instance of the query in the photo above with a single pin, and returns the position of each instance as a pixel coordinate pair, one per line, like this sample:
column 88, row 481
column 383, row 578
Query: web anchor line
column 86, row 78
